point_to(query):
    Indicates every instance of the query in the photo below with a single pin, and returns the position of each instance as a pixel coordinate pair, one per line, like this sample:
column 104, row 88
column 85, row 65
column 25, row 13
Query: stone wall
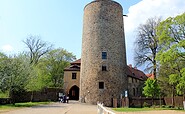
column 103, row 31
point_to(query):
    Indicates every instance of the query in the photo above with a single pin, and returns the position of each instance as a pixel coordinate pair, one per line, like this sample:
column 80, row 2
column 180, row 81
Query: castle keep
column 103, row 60
column 102, row 72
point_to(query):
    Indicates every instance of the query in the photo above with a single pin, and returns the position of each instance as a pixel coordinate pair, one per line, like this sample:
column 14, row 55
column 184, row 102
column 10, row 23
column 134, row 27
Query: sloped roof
column 135, row 73
column 150, row 75
column 78, row 62
column 73, row 68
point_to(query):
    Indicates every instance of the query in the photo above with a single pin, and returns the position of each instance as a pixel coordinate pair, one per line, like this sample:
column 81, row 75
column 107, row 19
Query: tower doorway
column 74, row 93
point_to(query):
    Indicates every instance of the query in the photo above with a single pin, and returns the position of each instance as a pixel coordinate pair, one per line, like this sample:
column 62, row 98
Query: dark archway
column 74, row 93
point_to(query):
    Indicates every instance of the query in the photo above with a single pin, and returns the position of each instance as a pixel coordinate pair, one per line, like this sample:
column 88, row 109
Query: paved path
column 75, row 107
column 57, row 108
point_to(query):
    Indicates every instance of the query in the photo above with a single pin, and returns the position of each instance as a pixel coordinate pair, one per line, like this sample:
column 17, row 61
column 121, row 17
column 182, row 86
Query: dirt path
column 57, row 108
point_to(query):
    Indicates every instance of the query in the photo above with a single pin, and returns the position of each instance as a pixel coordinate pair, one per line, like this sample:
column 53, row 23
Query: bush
column 145, row 104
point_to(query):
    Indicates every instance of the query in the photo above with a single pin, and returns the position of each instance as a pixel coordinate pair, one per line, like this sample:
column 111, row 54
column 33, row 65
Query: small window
column 73, row 75
column 134, row 92
column 104, row 55
column 104, row 68
column 101, row 85
column 137, row 91
column 136, row 80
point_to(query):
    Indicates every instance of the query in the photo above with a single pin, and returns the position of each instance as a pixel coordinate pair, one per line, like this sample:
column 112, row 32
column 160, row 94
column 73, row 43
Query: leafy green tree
column 14, row 75
column 53, row 65
column 171, row 34
column 147, row 46
column 151, row 88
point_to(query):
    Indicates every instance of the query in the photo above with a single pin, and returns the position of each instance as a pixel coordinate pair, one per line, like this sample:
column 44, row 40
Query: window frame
column 74, row 75
column 101, row 85
column 104, row 68
column 104, row 55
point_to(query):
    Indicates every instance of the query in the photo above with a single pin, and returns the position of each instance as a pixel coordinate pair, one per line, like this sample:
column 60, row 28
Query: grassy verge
column 21, row 105
column 142, row 109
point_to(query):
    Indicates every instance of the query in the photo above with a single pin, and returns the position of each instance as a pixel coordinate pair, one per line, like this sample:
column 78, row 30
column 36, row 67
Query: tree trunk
column 12, row 96
column 32, row 94
column 173, row 103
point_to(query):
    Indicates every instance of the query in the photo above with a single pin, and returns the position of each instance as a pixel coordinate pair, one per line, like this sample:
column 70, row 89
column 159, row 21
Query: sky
column 59, row 22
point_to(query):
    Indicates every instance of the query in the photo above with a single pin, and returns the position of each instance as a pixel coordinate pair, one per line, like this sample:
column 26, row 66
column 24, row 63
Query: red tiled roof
column 76, row 62
column 135, row 73
column 151, row 76
column 73, row 68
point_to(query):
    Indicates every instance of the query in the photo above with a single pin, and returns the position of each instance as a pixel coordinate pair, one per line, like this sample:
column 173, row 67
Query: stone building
column 136, row 79
column 103, row 60
column 102, row 73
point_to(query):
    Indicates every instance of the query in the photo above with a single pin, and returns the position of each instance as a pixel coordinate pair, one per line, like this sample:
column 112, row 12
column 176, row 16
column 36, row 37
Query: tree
column 37, row 48
column 151, row 88
column 171, row 34
column 53, row 65
column 147, row 45
column 14, row 75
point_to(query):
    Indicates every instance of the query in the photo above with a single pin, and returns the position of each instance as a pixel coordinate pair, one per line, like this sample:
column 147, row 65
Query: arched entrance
column 74, row 93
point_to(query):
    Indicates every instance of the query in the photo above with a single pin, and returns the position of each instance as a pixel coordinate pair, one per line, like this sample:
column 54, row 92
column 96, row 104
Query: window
column 134, row 92
column 137, row 91
column 104, row 68
column 73, row 75
column 101, row 85
column 104, row 55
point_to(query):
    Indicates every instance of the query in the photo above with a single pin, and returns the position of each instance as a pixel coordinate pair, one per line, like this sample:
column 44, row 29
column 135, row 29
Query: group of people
column 64, row 99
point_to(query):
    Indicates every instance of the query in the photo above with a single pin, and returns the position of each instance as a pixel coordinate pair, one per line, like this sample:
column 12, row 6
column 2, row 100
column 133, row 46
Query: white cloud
column 140, row 12
column 7, row 48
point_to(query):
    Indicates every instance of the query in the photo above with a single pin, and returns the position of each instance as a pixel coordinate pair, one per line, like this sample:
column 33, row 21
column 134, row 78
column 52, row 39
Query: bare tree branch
column 146, row 45
column 37, row 48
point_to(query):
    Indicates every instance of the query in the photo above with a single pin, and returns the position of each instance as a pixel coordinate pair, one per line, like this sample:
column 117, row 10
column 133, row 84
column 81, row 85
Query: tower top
column 102, row 0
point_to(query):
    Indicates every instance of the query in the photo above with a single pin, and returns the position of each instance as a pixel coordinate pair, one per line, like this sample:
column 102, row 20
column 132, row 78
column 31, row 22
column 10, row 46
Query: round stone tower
column 103, row 61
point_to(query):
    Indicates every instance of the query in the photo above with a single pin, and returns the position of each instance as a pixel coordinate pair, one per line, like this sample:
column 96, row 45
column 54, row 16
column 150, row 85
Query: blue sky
column 60, row 21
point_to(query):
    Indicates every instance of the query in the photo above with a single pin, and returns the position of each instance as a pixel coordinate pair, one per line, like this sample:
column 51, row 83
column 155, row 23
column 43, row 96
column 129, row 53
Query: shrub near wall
column 4, row 101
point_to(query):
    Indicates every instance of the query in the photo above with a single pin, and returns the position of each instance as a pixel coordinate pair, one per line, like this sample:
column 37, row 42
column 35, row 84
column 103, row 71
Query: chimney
column 130, row 65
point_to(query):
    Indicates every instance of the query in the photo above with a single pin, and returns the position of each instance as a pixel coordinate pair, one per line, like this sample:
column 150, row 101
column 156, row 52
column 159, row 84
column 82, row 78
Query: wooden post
column 115, row 102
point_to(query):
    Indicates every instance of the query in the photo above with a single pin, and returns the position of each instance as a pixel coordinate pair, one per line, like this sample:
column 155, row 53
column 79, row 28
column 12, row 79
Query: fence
column 143, row 101
column 103, row 110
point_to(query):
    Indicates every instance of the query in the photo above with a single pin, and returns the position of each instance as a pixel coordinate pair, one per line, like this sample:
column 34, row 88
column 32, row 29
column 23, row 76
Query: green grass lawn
column 21, row 105
column 142, row 109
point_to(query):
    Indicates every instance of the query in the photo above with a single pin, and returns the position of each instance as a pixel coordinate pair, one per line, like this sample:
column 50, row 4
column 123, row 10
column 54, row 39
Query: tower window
column 73, row 75
column 104, row 68
column 104, row 55
column 101, row 85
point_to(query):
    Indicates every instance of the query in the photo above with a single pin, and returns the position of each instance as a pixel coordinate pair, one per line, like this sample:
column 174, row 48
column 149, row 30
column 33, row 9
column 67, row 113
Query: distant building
column 151, row 76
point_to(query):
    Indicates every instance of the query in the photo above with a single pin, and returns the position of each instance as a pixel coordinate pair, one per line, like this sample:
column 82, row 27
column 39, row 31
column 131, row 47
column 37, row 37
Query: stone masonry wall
column 103, row 31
